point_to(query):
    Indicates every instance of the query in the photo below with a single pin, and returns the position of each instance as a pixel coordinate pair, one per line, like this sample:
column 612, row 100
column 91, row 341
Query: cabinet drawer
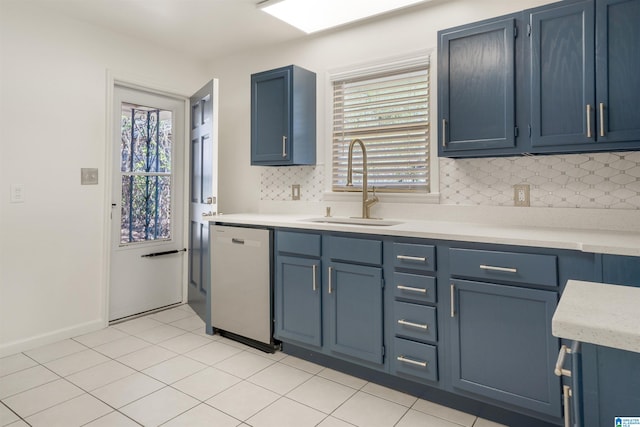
column 298, row 243
column 415, row 321
column 355, row 250
column 415, row 359
column 504, row 266
column 414, row 287
column 417, row 257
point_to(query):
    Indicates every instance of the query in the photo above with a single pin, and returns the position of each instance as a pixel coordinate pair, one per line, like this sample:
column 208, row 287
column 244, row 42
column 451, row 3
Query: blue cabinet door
column 617, row 76
column 611, row 377
column 297, row 300
column 283, row 117
column 502, row 347
column 476, row 69
column 270, row 106
column 354, row 310
column 562, row 75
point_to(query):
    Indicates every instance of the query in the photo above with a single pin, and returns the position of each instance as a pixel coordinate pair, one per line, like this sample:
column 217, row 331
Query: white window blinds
column 389, row 112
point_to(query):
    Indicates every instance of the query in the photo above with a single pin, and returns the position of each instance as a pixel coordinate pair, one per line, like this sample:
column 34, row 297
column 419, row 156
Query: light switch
column 89, row 176
column 295, row 192
column 17, row 193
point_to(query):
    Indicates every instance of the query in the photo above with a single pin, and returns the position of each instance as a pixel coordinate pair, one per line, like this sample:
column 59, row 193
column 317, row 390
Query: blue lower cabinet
column 297, row 300
column 354, row 310
column 502, row 347
column 414, row 360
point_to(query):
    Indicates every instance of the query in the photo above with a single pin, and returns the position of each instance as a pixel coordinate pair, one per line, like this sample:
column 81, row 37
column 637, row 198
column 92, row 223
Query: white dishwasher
column 241, row 285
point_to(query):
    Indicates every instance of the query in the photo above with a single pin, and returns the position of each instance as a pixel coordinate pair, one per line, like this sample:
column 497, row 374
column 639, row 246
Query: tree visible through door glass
column 145, row 163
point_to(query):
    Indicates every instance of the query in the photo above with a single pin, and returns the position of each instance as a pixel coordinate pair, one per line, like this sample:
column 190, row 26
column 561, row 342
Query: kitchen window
column 387, row 107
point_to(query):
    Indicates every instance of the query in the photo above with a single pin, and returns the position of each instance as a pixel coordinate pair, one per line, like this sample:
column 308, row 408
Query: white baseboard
column 13, row 347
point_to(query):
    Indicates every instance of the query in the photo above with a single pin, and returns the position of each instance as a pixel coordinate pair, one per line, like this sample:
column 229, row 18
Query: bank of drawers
column 415, row 326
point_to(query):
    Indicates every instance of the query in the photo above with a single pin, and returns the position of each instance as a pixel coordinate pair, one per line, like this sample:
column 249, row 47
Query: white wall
column 52, row 111
column 379, row 39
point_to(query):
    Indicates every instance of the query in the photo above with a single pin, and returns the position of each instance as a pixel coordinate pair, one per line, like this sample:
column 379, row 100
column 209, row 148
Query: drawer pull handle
column 314, row 271
column 501, row 269
column 444, row 132
column 284, row 147
column 411, row 258
column 329, row 278
column 559, row 370
column 409, row 288
column 411, row 361
column 413, row 325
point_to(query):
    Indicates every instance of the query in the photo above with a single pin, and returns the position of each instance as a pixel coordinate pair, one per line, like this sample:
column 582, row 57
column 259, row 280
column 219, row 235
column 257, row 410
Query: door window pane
column 145, row 163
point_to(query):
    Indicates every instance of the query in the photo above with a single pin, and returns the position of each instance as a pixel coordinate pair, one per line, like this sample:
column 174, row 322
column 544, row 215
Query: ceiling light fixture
column 317, row 15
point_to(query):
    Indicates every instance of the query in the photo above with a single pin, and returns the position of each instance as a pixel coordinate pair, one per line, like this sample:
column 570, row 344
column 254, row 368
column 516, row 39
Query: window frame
column 387, row 65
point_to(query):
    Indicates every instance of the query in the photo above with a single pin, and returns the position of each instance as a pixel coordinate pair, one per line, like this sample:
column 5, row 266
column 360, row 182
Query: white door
column 147, row 215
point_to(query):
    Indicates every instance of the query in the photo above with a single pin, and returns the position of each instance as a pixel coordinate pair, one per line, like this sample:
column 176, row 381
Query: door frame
column 136, row 82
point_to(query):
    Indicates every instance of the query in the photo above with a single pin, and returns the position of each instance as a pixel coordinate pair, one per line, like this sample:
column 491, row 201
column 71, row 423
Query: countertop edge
column 597, row 241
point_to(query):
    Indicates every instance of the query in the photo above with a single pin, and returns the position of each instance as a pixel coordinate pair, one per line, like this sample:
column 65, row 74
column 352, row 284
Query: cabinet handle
column 602, row 119
column 413, row 325
column 411, row 258
column 284, row 146
column 453, row 300
column 330, row 271
column 501, row 269
column 411, row 361
column 559, row 370
column 444, row 132
column 566, row 394
column 409, row 288
column 588, row 120
column 314, row 269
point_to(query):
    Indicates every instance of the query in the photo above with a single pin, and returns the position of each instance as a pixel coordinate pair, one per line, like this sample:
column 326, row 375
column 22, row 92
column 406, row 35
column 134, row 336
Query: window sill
column 429, row 198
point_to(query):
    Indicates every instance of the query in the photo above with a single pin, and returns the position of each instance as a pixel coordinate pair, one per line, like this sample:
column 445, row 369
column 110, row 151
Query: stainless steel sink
column 376, row 222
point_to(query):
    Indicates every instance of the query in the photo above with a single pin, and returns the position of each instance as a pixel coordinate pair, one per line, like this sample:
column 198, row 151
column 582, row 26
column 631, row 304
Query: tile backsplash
column 595, row 180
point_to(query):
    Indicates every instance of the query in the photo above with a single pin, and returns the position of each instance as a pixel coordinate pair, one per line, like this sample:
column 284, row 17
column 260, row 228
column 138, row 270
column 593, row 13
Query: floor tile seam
column 228, row 414
column 75, row 397
column 389, row 400
column 317, row 409
column 283, row 396
column 102, row 343
column 237, row 354
column 441, row 418
column 14, row 413
column 161, row 341
column 198, row 404
column 179, row 379
column 20, row 370
column 49, row 361
column 83, row 391
column 184, row 352
column 31, row 388
column 121, row 413
column 164, row 385
column 338, row 382
column 191, row 357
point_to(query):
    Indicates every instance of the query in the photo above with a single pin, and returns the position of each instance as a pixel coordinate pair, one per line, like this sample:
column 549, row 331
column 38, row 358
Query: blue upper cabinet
column 574, row 85
column 617, row 76
column 562, row 74
column 283, row 117
column 476, row 86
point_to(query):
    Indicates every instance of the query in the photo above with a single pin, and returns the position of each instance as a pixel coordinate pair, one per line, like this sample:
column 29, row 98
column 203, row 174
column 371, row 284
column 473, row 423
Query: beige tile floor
column 163, row 369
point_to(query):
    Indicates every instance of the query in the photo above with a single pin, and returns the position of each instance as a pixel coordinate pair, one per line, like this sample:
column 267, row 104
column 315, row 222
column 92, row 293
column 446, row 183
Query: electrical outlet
column 295, row 192
column 88, row 176
column 17, row 193
column 521, row 195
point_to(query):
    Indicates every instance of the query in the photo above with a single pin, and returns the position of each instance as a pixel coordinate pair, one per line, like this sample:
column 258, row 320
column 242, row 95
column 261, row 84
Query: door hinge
column 515, row 131
column 515, row 32
column 382, row 283
column 529, row 130
column 383, row 351
column 529, row 30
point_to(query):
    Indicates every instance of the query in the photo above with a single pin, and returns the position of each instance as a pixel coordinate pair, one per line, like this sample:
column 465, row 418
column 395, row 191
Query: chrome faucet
column 366, row 201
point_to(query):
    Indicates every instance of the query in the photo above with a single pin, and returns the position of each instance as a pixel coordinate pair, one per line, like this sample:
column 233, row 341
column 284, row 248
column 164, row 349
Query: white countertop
column 600, row 314
column 595, row 241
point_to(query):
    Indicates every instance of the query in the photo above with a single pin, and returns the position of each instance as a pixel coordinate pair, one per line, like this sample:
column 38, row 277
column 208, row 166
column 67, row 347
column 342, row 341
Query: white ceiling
column 203, row 28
